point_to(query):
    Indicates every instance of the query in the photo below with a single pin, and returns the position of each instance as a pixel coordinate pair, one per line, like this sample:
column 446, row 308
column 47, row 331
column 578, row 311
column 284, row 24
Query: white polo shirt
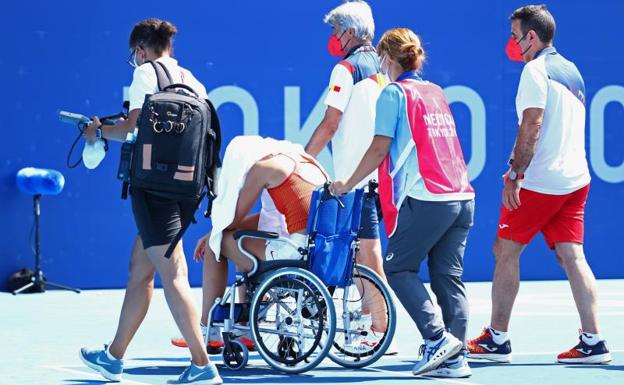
column 145, row 82
column 356, row 99
column 559, row 165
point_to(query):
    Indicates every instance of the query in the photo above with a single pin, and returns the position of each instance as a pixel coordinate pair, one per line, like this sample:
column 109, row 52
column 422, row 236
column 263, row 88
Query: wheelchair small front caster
column 237, row 356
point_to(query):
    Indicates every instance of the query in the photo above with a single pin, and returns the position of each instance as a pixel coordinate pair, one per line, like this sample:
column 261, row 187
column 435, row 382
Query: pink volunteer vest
column 440, row 157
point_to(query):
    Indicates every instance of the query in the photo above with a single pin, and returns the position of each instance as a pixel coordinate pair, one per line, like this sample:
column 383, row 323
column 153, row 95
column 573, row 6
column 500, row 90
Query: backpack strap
column 162, row 74
column 215, row 160
column 215, row 125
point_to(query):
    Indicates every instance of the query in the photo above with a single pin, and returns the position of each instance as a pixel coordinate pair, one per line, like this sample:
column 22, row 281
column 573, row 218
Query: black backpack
column 176, row 152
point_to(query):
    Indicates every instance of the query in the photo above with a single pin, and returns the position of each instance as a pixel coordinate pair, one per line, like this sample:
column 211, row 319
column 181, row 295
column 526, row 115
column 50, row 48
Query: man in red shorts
column 545, row 188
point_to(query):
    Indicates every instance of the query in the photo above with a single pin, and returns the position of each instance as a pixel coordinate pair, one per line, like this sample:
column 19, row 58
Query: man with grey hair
column 354, row 86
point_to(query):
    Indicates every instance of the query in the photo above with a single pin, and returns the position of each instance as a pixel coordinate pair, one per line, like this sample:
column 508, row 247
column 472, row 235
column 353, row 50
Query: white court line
column 93, row 375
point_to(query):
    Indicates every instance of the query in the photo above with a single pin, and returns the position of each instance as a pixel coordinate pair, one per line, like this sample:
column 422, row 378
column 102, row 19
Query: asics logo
column 503, row 226
column 488, row 347
column 586, row 352
column 389, row 257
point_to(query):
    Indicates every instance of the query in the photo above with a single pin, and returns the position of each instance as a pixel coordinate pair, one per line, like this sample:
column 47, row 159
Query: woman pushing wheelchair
column 427, row 202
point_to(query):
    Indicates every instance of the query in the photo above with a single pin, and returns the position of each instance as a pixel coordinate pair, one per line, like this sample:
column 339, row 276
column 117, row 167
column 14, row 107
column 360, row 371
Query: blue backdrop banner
column 266, row 67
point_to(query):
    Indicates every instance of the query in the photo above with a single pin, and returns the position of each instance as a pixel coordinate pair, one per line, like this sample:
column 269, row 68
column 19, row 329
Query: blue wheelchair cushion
column 35, row 181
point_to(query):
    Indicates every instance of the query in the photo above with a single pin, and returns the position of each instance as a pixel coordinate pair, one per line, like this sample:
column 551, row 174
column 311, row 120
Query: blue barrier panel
column 266, row 66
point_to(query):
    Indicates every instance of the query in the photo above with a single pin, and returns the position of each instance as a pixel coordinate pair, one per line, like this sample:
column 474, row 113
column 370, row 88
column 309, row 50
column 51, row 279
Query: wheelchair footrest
column 222, row 312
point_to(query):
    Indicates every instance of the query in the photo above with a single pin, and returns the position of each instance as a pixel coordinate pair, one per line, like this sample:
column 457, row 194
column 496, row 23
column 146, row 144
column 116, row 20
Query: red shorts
column 559, row 217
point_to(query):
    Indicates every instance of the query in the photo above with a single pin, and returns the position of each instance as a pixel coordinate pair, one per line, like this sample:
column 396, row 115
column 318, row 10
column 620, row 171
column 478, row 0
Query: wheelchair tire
column 341, row 354
column 237, row 357
column 286, row 338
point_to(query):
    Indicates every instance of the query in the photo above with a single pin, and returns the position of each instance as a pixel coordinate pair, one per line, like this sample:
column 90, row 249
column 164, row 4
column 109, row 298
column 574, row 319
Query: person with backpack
column 170, row 108
column 426, row 199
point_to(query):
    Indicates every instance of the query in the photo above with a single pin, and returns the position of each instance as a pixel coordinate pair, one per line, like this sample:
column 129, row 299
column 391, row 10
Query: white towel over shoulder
column 240, row 155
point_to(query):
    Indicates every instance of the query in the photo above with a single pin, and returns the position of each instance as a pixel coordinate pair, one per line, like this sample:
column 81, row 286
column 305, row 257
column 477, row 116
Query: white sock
column 498, row 336
column 591, row 339
column 110, row 356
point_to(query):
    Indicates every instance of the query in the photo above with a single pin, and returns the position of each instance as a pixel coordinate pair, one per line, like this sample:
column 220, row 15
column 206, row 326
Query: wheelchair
column 322, row 305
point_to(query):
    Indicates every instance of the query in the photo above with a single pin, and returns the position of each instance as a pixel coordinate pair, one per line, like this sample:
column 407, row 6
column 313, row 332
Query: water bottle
column 92, row 154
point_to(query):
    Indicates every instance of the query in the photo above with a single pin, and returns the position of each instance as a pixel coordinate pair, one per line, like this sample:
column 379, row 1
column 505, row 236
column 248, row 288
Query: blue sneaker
column 434, row 353
column 455, row 368
column 208, row 375
column 98, row 360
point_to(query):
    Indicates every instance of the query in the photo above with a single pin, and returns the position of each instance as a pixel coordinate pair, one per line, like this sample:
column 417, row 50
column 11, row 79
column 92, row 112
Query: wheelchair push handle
column 327, row 193
column 372, row 186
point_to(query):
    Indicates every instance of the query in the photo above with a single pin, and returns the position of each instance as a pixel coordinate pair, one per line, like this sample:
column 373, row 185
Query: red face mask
column 514, row 51
column 334, row 46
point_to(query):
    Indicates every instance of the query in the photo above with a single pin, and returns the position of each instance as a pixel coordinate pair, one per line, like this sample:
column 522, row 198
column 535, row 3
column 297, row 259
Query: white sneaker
column 367, row 340
column 362, row 344
column 457, row 368
column 436, row 352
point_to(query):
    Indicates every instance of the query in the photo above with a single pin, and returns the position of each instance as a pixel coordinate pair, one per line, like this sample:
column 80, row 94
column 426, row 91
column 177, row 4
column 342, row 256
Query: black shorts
column 159, row 219
column 369, row 222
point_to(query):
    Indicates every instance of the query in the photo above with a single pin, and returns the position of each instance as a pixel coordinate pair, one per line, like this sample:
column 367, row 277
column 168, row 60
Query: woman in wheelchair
column 297, row 314
column 290, row 179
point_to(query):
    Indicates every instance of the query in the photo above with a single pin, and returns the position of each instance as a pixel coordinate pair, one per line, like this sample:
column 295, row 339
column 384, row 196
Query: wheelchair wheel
column 366, row 319
column 293, row 320
column 237, row 357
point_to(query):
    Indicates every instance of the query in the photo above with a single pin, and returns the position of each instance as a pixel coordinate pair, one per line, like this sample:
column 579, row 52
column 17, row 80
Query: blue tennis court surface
column 42, row 333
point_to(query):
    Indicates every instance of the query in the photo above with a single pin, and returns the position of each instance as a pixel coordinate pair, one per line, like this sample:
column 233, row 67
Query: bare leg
column 215, row 274
column 229, row 247
column 369, row 255
column 214, row 281
column 174, row 276
column 582, row 281
column 136, row 300
column 506, row 281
